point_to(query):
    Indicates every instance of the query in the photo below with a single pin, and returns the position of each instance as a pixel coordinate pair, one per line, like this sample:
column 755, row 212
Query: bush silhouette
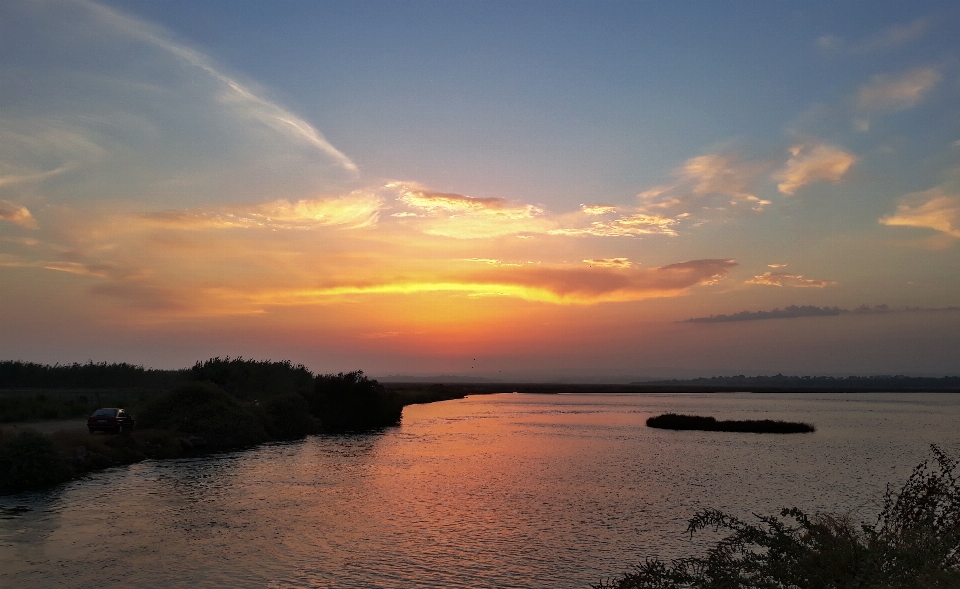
column 287, row 417
column 30, row 460
column 205, row 410
column 351, row 401
column 915, row 544
column 710, row 424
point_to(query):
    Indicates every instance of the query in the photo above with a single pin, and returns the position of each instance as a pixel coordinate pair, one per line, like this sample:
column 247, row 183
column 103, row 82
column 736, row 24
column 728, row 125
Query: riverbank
column 201, row 417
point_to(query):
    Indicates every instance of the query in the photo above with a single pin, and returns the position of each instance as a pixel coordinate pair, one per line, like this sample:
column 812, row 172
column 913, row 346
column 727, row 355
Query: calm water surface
column 489, row 491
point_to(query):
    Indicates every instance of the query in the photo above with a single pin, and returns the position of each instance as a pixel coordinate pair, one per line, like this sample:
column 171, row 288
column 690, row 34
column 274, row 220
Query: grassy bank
column 223, row 405
column 914, row 544
column 711, row 424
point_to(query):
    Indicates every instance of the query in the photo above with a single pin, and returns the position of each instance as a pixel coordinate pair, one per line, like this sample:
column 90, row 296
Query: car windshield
column 105, row 413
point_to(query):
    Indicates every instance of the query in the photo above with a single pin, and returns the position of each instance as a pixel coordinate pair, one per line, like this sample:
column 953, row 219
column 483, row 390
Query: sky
column 580, row 191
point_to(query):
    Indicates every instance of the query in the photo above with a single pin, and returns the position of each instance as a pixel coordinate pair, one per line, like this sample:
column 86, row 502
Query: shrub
column 914, row 544
column 205, row 410
column 287, row 417
column 30, row 460
column 254, row 379
column 351, row 401
column 710, row 424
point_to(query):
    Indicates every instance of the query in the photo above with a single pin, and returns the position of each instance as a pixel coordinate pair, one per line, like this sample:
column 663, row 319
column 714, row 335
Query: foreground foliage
column 915, row 544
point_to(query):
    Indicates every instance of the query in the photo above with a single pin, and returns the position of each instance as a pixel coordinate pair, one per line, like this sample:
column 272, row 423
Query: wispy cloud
column 894, row 93
column 813, row 163
column 437, row 202
column 790, row 280
column 791, row 312
column 557, row 285
column 609, row 262
column 242, row 98
column 628, row 225
column 17, row 214
column 931, row 209
column 717, row 180
column 895, row 36
column 794, row 312
column 889, row 38
column 355, row 210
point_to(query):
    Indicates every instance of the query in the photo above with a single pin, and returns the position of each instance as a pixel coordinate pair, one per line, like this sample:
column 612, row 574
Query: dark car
column 110, row 420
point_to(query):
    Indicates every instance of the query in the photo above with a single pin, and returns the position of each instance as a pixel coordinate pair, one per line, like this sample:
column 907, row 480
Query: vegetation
column 16, row 374
column 205, row 410
column 915, row 544
column 254, row 379
column 351, row 401
column 217, row 405
column 30, row 460
column 710, row 424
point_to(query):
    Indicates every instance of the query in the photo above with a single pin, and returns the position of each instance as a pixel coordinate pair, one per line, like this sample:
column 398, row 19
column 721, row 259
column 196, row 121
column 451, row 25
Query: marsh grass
column 710, row 424
column 914, row 544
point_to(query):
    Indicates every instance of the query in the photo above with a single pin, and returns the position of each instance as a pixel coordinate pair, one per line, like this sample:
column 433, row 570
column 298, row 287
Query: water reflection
column 500, row 491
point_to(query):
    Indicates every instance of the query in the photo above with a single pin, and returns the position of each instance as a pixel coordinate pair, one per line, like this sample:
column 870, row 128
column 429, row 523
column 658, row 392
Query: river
column 485, row 492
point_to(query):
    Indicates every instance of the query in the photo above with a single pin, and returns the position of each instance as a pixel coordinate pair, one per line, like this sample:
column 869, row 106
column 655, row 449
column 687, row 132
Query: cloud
column 354, row 211
column 895, row 36
column 708, row 181
column 793, row 312
column 598, row 209
column 792, row 280
column 627, row 225
column 444, row 202
column 776, row 265
column 813, row 163
column 17, row 214
column 609, row 262
column 557, row 285
column 242, row 98
column 930, row 209
column 895, row 93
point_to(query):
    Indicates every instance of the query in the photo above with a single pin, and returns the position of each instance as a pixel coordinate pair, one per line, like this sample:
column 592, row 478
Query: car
column 110, row 419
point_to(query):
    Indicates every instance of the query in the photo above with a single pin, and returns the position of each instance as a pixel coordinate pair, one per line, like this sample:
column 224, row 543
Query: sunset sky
column 513, row 190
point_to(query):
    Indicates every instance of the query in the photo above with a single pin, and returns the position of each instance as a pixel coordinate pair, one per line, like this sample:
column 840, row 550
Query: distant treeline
column 832, row 383
column 16, row 374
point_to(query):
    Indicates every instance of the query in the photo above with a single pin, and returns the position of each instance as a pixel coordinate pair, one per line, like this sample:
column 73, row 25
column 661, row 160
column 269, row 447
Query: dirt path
column 45, row 427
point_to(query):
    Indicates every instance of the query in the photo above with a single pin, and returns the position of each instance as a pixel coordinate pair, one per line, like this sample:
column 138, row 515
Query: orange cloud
column 931, row 209
column 445, row 202
column 609, row 262
column 579, row 286
column 792, row 280
column 354, row 210
column 598, row 209
column 813, row 163
column 17, row 214
column 708, row 181
column 888, row 93
column 628, row 225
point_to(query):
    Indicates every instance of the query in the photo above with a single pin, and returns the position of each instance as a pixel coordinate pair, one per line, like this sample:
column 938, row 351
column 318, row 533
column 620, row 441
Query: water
column 489, row 491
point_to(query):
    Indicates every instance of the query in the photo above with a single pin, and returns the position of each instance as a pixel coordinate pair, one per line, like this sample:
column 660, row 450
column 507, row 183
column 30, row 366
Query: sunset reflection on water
column 489, row 491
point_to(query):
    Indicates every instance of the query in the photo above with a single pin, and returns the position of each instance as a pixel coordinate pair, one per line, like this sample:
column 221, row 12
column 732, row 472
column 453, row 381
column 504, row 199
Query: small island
column 710, row 424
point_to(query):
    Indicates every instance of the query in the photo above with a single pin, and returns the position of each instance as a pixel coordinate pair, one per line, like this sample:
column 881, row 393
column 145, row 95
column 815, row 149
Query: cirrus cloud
column 894, row 93
column 791, row 280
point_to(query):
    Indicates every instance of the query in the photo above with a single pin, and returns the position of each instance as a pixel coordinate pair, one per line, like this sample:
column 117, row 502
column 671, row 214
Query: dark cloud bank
column 793, row 311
